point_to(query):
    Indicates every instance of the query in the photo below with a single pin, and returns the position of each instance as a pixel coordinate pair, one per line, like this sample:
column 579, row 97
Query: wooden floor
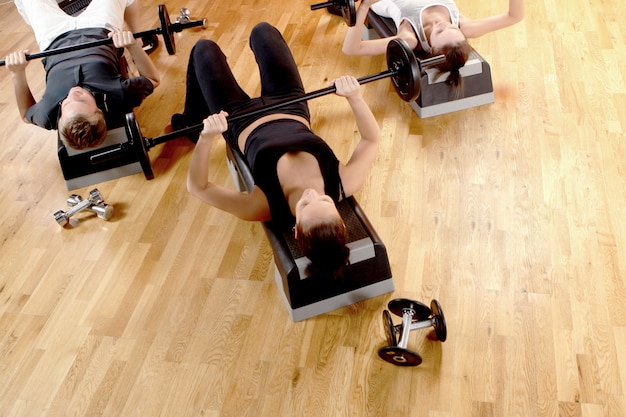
column 512, row 215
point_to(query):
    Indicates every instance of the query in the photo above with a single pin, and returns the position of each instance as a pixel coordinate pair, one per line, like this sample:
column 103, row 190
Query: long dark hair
column 325, row 245
column 456, row 55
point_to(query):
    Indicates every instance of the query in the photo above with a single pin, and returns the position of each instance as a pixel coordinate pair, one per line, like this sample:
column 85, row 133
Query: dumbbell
column 63, row 217
column 415, row 315
column 102, row 210
column 184, row 17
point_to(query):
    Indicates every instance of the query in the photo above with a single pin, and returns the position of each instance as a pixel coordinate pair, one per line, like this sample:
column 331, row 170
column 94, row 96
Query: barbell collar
column 432, row 61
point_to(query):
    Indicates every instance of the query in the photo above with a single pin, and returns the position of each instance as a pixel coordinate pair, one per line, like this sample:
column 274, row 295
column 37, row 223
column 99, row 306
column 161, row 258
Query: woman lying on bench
column 436, row 27
column 298, row 177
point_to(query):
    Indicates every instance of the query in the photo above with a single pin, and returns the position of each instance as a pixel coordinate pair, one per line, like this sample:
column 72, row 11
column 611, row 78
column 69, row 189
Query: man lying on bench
column 435, row 27
column 298, row 178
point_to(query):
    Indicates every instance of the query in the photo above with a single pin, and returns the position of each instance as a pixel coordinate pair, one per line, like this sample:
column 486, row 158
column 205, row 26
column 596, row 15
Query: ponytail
column 456, row 55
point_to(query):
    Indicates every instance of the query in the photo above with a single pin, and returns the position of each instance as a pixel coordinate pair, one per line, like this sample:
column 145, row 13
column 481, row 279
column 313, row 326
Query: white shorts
column 48, row 21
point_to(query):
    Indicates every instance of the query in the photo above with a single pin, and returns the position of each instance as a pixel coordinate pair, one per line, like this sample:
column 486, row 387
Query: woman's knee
column 206, row 53
column 265, row 33
column 205, row 49
column 262, row 27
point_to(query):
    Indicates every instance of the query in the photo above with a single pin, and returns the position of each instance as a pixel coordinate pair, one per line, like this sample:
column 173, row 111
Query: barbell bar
column 403, row 67
column 167, row 29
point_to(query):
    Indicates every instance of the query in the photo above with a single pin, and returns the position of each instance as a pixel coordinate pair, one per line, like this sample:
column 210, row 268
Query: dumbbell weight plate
column 407, row 79
column 168, row 35
column 397, row 307
column 103, row 211
column 184, row 16
column 440, row 321
column 348, row 11
column 399, row 356
column 74, row 199
column 138, row 145
column 61, row 218
column 390, row 329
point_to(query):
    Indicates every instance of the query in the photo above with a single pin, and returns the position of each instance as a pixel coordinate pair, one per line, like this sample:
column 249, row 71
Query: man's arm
column 16, row 63
column 253, row 206
column 144, row 64
column 132, row 16
column 355, row 172
column 478, row 27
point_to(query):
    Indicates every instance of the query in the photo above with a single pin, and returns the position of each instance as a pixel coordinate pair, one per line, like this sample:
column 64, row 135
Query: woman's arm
column 474, row 28
column 353, row 44
column 354, row 173
column 252, row 206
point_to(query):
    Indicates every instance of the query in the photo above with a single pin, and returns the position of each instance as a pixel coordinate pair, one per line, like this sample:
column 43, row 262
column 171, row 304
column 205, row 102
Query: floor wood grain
column 512, row 215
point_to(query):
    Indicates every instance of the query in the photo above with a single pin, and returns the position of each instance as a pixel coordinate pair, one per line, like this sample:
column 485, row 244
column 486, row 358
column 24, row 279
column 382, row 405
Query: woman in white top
column 436, row 27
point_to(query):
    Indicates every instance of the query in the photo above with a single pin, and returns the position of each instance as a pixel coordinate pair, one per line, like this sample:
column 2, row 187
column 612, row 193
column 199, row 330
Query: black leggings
column 211, row 86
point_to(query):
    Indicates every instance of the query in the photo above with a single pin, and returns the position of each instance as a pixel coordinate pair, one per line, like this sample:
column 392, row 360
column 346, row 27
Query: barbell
column 167, row 29
column 404, row 68
column 346, row 7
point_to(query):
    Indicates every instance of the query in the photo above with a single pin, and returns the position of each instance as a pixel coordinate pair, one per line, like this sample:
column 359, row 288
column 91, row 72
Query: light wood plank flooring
column 512, row 215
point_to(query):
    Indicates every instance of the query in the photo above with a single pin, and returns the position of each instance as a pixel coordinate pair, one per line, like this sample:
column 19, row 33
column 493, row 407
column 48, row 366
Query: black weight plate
column 168, row 35
column 440, row 321
column 397, row 307
column 399, row 356
column 406, row 75
column 390, row 329
column 138, row 145
column 348, row 11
